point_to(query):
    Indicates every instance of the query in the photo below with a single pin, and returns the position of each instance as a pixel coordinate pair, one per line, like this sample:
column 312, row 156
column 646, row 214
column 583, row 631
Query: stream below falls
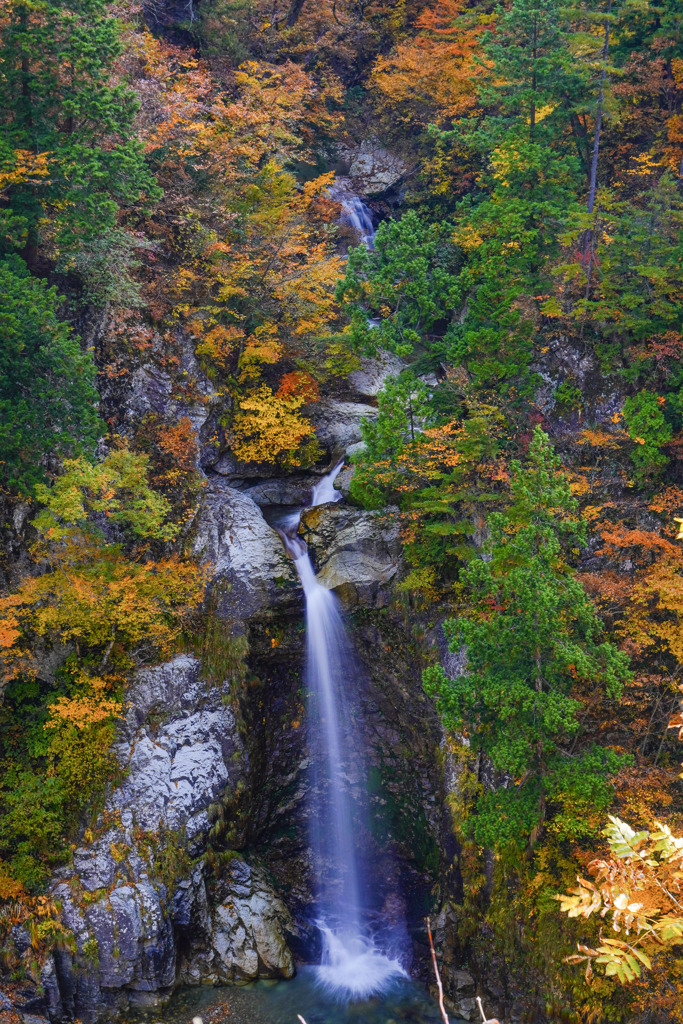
column 280, row 1002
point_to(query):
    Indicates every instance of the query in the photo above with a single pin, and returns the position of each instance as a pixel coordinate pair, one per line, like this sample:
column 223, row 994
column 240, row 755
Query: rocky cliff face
column 198, row 869
column 135, row 897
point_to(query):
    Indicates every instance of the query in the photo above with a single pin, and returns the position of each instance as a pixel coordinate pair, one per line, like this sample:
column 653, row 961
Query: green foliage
column 439, row 477
column 401, row 408
column 647, row 426
column 568, row 395
column 47, row 393
column 46, row 780
column 512, row 237
column 224, row 28
column 532, row 74
column 60, row 97
column 632, row 296
column 117, row 488
column 532, row 637
column 31, row 824
column 408, row 282
column 456, row 293
column 71, row 634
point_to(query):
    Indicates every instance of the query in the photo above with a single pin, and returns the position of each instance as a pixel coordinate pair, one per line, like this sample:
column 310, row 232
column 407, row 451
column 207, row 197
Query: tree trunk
column 592, row 186
column 294, row 12
column 532, row 115
column 598, row 117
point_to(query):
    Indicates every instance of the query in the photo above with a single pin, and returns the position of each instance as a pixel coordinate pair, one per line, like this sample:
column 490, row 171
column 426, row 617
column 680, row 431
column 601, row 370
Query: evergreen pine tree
column 59, row 97
column 47, row 393
column 531, row 635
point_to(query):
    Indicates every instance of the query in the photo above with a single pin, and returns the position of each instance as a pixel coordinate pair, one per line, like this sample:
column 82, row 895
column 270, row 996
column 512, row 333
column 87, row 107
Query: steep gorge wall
column 198, row 870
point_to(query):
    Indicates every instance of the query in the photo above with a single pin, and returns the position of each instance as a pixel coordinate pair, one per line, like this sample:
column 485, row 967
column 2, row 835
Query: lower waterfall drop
column 352, row 967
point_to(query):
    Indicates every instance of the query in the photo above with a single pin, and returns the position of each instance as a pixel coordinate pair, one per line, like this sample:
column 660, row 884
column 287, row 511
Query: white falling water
column 325, row 491
column 352, row 967
column 355, row 214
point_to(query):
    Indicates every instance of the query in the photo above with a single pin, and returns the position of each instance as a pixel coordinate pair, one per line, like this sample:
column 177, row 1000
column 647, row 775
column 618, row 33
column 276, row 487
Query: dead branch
column 436, row 972
column 485, row 1019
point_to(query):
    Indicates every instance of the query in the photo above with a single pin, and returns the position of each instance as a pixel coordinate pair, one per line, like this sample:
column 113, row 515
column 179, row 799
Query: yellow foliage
column 96, row 599
column 116, row 487
column 467, row 237
column 268, row 428
column 637, row 890
column 261, row 348
column 216, row 344
column 88, row 708
column 26, row 168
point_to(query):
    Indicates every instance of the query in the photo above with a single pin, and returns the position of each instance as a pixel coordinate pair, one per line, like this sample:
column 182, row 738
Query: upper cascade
column 355, row 214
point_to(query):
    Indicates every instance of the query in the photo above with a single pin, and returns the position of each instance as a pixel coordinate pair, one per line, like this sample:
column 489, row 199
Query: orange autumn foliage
column 648, row 607
column 434, row 73
column 298, row 383
column 332, row 35
column 243, row 261
column 216, row 345
column 670, row 499
column 656, row 619
column 174, row 449
column 674, row 125
column 114, row 607
column 96, row 600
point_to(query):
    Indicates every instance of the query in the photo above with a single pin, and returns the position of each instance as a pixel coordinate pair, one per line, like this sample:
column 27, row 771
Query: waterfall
column 325, row 491
column 352, row 967
column 355, row 214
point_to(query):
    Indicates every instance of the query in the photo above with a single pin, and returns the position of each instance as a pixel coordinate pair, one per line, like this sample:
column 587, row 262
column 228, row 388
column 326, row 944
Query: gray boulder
column 368, row 380
column 247, row 933
column 373, row 169
column 356, row 553
column 249, row 568
column 337, row 424
column 287, row 490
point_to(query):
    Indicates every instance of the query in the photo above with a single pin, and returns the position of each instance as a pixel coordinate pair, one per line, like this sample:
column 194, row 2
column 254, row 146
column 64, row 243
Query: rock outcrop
column 178, row 769
column 249, row 568
column 368, row 380
column 134, row 899
column 372, row 168
column 355, row 553
column 337, row 424
column 244, row 936
column 153, row 389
